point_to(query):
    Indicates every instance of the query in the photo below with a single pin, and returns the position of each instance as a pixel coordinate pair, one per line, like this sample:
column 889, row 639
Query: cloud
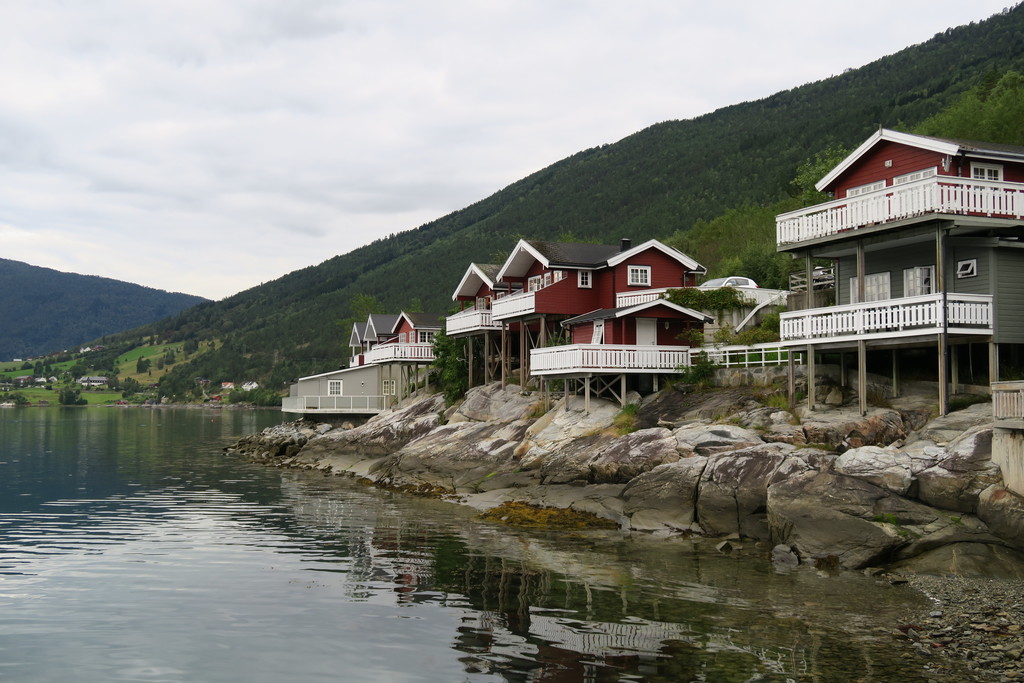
column 210, row 146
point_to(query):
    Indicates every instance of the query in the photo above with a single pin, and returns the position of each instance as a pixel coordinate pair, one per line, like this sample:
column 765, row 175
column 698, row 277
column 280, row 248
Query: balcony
column 356, row 405
column 625, row 299
column 470, row 321
column 400, row 353
column 939, row 194
column 1008, row 401
column 607, row 358
column 907, row 317
column 523, row 303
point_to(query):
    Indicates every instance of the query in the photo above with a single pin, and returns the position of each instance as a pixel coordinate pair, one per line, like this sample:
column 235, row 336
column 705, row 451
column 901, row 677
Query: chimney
column 625, row 244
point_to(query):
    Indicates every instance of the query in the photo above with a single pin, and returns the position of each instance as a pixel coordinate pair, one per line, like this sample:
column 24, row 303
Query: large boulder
column 705, row 439
column 967, row 559
column 843, row 430
column 606, row 459
column 665, row 497
column 824, row 514
column 565, row 427
column 1003, row 511
column 733, row 490
column 382, row 434
column 956, row 480
column 945, row 429
column 885, row 467
column 492, row 403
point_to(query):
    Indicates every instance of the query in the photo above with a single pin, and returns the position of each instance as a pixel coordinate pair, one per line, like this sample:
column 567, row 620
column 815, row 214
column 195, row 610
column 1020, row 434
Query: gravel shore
column 974, row 623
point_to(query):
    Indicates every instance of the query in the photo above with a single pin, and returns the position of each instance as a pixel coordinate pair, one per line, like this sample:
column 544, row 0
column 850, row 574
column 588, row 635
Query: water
column 132, row 549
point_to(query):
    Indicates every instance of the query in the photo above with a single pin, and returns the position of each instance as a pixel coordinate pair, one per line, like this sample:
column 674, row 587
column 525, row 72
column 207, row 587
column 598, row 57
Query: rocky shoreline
column 894, row 493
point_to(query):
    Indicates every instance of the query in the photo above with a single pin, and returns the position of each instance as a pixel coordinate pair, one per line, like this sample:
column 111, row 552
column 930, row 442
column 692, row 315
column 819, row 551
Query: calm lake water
column 133, row 549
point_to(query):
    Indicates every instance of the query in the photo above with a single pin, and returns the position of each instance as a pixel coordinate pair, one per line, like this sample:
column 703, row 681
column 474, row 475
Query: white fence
column 1008, row 400
column 366, row 405
column 899, row 317
column 755, row 355
column 939, row 194
column 624, row 299
column 388, row 353
column 511, row 306
column 469, row 321
column 607, row 358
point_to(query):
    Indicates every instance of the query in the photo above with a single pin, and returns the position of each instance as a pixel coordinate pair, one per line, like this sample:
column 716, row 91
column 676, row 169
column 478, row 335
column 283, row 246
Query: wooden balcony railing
column 609, row 358
column 938, row 194
column 624, row 299
column 362, row 405
column 514, row 305
column 896, row 317
column 1008, row 400
column 391, row 353
column 470, row 321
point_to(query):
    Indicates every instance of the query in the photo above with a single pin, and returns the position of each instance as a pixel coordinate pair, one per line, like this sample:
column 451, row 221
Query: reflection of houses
column 928, row 245
column 391, row 355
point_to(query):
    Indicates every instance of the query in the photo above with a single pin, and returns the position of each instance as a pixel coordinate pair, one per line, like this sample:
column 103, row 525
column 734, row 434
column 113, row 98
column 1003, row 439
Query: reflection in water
column 167, row 561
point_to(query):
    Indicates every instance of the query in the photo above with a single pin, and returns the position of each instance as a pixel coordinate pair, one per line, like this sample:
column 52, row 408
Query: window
column 968, row 268
column 864, row 189
column 334, row 387
column 876, row 288
column 426, row 336
column 583, row 279
column 918, row 281
column 483, row 303
column 916, row 175
column 986, row 171
column 557, row 275
column 387, row 387
column 598, row 336
column 534, row 283
column 547, row 279
column 640, row 276
column 402, row 338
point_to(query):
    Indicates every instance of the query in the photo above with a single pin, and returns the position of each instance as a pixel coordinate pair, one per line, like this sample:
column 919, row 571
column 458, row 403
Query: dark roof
column 977, row 146
column 491, row 270
column 599, row 314
column 574, row 253
column 425, row 320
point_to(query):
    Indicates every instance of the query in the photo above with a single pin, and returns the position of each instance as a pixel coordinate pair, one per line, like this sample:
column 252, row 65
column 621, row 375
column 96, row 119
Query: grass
column 626, row 421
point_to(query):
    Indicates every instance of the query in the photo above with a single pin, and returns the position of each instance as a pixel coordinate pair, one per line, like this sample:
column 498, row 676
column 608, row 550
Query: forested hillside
column 44, row 310
column 654, row 183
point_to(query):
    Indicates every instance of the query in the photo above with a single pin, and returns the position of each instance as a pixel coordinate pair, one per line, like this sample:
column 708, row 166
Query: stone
column 715, row 438
column 664, row 497
column 783, row 555
column 883, row 467
column 1003, row 511
column 956, row 480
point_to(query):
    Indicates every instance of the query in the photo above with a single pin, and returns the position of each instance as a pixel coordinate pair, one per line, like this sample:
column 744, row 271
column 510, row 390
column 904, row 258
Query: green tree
column 992, row 111
column 142, row 365
column 450, row 363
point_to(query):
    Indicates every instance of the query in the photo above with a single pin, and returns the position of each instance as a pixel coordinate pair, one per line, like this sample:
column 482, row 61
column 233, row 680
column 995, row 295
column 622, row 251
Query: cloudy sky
column 206, row 146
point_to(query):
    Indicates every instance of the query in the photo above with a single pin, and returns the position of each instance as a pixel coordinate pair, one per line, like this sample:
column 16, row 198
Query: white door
column 646, row 332
column 598, row 337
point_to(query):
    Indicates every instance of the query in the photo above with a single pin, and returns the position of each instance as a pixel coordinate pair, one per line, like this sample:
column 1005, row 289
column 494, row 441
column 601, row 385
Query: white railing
column 938, row 194
column 754, row 355
column 1008, row 400
column 387, row 353
column 514, row 305
column 607, row 358
column 469, row 321
column 334, row 404
column 896, row 316
column 624, row 299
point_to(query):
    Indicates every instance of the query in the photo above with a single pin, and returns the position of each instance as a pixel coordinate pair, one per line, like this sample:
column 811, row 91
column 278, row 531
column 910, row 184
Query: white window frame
column 534, row 283
column 918, row 281
column 388, row 387
column 915, row 175
column 967, row 268
column 639, row 276
column 557, row 275
column 425, row 336
column 864, row 189
column 598, row 336
column 335, row 387
column 547, row 278
column 980, row 171
column 876, row 288
column 584, row 279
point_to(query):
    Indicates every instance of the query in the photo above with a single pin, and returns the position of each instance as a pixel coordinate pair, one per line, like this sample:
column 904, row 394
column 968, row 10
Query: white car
column 734, row 281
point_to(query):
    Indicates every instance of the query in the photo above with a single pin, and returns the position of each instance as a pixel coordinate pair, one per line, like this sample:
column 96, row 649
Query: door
column 646, row 332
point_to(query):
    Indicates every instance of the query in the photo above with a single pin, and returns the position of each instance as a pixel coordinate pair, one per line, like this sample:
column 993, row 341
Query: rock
column 491, row 403
column 715, row 438
column 732, row 492
column 783, row 556
column 664, row 497
column 880, row 427
column 724, row 547
column 966, row 559
column 956, row 480
column 599, row 459
column 382, row 434
column 834, row 397
column 944, row 429
column 883, row 467
column 1003, row 511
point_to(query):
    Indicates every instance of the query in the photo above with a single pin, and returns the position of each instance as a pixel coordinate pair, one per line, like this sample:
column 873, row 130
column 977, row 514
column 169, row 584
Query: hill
column 653, row 183
column 45, row 310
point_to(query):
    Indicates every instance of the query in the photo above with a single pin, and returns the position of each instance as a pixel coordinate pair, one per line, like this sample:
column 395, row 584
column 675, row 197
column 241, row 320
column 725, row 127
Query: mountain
column 44, row 310
column 652, row 183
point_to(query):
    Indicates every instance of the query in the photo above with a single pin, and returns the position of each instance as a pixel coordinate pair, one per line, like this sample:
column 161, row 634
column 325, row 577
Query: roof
column 945, row 146
column 358, row 333
column 581, row 255
column 477, row 274
column 378, row 324
column 419, row 321
column 624, row 311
